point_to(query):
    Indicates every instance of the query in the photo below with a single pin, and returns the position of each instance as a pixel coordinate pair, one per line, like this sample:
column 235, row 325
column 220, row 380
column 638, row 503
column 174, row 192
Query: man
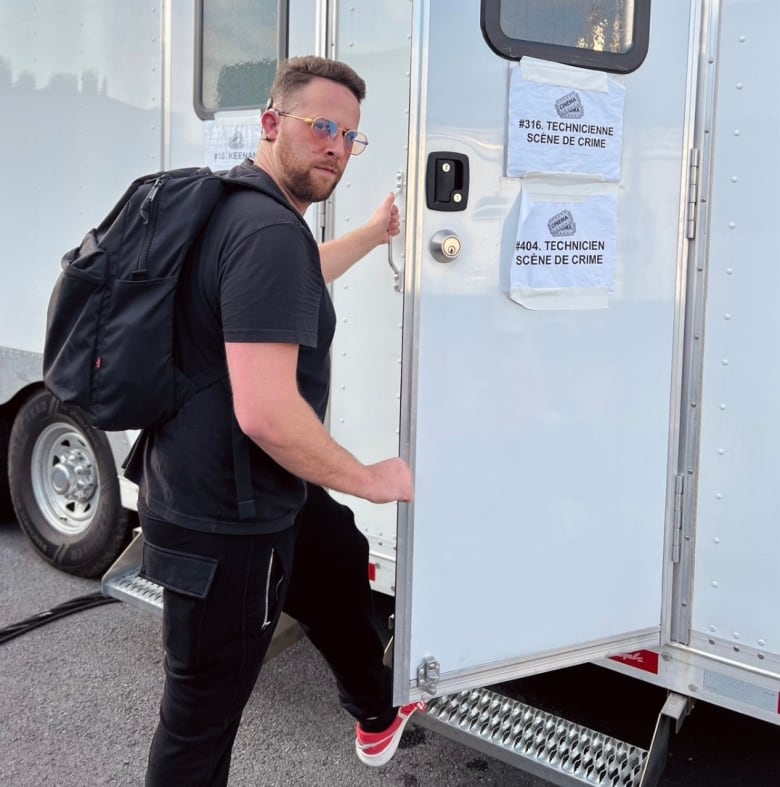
column 236, row 523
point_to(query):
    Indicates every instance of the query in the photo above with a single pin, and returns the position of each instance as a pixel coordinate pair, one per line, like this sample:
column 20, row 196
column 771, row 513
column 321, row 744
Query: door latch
column 447, row 181
column 428, row 675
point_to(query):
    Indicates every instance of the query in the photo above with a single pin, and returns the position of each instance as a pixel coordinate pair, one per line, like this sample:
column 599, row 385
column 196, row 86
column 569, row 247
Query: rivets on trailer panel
column 737, row 132
column 714, row 583
column 727, row 316
column 761, row 643
column 722, row 406
column 742, row 39
column 713, row 629
column 719, row 496
column 729, row 271
column 725, row 361
column 732, row 225
column 735, row 635
column 734, row 179
column 716, row 540
column 739, row 86
column 721, row 451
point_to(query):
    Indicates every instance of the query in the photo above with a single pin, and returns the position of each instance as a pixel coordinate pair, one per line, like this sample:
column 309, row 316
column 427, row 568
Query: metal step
column 533, row 740
column 122, row 581
column 136, row 591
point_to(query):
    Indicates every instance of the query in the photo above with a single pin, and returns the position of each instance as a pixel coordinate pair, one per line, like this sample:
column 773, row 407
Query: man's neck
column 262, row 162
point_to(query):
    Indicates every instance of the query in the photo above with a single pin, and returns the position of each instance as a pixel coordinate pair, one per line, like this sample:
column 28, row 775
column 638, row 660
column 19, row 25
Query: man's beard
column 300, row 182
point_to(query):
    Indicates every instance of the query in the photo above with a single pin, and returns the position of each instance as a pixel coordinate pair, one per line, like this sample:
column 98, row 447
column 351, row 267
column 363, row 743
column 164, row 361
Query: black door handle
column 447, row 181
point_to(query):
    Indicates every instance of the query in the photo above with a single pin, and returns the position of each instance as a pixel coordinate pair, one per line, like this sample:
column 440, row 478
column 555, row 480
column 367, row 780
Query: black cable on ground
column 63, row 610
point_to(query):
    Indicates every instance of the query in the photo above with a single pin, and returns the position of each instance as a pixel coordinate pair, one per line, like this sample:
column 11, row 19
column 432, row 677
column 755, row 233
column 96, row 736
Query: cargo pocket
column 186, row 580
column 191, row 575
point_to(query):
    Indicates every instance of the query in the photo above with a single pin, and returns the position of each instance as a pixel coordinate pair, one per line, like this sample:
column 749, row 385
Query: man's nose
column 338, row 145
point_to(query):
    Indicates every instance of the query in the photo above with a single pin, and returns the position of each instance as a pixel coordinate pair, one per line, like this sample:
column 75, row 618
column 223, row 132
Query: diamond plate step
column 136, row 591
column 533, row 740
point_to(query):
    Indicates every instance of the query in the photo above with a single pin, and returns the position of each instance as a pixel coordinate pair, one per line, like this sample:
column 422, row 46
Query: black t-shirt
column 255, row 277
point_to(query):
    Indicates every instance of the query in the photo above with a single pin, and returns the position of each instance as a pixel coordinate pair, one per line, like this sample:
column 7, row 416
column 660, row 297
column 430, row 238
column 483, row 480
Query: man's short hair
column 297, row 72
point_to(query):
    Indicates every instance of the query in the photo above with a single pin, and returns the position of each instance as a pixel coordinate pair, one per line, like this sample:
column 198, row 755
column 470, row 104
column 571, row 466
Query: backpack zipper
column 148, row 211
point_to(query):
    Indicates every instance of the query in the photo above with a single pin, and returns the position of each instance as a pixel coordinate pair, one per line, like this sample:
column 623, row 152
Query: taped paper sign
column 564, row 253
column 564, row 121
column 228, row 143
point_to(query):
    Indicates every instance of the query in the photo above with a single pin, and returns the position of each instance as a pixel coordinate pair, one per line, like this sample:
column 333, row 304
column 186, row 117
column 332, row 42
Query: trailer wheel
column 64, row 487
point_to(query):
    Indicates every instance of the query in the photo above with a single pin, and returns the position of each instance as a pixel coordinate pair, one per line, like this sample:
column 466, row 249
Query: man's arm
column 272, row 413
column 339, row 255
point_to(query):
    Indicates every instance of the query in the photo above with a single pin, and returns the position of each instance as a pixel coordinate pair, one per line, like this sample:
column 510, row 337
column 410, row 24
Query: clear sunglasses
column 322, row 128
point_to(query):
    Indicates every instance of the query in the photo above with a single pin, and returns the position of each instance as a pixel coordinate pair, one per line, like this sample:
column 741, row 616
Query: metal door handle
column 399, row 181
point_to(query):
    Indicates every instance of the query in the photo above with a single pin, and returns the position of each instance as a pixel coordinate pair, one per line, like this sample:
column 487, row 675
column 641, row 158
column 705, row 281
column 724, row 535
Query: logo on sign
column 562, row 224
column 569, row 106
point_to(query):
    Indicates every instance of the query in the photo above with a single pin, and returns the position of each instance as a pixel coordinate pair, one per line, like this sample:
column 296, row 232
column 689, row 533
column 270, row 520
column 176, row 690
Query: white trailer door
column 539, row 432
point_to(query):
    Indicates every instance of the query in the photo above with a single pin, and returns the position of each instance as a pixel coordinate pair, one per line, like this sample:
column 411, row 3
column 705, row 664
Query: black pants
column 222, row 599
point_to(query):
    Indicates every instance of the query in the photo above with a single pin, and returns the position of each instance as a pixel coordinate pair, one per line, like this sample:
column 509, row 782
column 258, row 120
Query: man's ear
column 269, row 124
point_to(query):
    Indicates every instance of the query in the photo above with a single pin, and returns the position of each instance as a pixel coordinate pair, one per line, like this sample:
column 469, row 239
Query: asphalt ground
column 79, row 697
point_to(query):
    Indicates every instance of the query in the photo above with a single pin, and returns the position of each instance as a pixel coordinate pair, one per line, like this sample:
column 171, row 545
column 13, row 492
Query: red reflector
column 646, row 660
column 371, row 572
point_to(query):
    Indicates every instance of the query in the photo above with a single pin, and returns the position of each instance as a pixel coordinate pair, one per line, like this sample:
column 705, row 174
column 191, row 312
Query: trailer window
column 609, row 35
column 237, row 49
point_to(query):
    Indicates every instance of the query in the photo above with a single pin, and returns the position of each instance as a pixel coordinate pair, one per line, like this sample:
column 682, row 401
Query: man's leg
column 330, row 597
column 222, row 600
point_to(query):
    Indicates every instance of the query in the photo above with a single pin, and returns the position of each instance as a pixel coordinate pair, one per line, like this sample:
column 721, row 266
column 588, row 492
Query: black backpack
column 109, row 332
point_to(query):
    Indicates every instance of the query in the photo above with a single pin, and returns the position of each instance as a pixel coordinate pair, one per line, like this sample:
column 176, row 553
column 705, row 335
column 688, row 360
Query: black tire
column 6, row 509
column 64, row 487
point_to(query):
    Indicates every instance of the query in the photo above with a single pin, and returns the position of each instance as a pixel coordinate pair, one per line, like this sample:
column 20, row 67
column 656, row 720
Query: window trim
column 616, row 62
column 282, row 48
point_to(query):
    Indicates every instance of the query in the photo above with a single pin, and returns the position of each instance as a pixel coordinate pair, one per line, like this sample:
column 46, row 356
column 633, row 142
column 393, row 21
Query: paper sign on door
column 564, row 253
column 564, row 121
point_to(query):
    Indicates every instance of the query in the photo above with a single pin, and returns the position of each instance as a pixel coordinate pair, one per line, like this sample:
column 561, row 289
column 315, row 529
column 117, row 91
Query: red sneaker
column 378, row 748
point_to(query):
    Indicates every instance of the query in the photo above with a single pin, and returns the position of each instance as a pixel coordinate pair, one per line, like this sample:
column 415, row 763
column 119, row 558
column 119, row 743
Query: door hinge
column 679, row 491
column 692, row 201
column 428, row 675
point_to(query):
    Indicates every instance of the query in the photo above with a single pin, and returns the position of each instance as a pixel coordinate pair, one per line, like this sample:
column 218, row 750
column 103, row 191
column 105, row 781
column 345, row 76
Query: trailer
column 570, row 340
